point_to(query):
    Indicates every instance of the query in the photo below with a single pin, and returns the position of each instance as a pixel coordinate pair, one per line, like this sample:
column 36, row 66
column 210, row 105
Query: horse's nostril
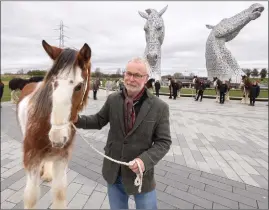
column 65, row 139
column 57, row 145
column 155, row 57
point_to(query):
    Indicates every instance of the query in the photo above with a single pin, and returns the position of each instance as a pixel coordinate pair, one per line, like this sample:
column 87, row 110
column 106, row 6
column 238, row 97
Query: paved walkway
column 218, row 160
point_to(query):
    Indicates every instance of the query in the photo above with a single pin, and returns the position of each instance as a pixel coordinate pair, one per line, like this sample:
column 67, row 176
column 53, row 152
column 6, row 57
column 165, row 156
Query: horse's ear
column 85, row 53
column 209, row 26
column 52, row 51
column 163, row 11
column 143, row 15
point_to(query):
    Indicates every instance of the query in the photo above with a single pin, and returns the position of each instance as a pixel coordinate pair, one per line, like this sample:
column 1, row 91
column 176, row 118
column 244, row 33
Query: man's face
column 135, row 77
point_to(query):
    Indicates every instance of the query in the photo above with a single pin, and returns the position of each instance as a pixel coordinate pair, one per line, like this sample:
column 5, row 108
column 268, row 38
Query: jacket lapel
column 121, row 113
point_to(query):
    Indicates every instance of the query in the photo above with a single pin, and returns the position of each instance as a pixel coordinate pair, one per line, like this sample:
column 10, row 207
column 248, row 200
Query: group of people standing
column 1, row 91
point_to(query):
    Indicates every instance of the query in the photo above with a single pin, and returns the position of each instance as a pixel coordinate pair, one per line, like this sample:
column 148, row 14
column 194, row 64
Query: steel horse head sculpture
column 154, row 31
column 219, row 60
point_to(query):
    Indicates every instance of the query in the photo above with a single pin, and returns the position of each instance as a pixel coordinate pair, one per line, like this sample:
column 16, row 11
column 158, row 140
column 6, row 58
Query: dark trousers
column 175, row 94
column 252, row 101
column 200, row 94
column 157, row 92
column 94, row 94
column 221, row 97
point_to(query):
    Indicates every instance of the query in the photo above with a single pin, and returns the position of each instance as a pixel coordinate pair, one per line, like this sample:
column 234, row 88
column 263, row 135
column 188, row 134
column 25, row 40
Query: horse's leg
column 179, row 94
column 227, row 96
column 12, row 94
column 247, row 98
column 59, row 184
column 46, row 171
column 32, row 189
column 217, row 96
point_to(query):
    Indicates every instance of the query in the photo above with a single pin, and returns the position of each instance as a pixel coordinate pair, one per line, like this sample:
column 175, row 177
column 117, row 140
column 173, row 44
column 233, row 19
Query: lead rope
column 139, row 177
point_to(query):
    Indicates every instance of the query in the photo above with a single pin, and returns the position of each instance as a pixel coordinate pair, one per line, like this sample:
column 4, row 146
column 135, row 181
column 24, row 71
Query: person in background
column 96, row 84
column 121, row 85
column 254, row 93
column 175, row 89
column 1, row 92
column 139, row 130
column 108, row 87
column 157, row 88
column 222, row 91
column 200, row 91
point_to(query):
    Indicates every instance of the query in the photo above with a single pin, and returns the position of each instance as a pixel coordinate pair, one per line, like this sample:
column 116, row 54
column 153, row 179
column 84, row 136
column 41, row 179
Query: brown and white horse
column 45, row 113
column 217, row 83
column 196, row 83
column 245, row 86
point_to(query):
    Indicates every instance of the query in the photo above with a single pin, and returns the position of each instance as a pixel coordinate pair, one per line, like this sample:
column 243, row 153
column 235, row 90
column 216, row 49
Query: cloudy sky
column 114, row 31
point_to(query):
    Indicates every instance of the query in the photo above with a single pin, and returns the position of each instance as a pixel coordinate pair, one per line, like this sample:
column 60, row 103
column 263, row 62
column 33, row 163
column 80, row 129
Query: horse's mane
column 41, row 101
column 219, row 82
column 247, row 81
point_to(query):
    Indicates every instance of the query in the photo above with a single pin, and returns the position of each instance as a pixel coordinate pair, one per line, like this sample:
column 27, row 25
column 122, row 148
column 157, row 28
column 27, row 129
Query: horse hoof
column 46, row 178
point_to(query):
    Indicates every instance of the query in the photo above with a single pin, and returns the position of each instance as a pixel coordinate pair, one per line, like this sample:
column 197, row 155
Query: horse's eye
column 78, row 87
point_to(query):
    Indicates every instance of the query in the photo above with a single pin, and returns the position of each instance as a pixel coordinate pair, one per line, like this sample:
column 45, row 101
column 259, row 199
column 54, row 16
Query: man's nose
column 132, row 77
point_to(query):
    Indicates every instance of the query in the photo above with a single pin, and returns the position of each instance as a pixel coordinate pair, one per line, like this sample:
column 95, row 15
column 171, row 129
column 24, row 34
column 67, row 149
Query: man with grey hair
column 139, row 130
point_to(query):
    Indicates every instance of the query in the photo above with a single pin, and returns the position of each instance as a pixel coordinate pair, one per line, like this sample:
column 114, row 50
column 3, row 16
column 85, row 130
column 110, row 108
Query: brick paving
column 218, row 159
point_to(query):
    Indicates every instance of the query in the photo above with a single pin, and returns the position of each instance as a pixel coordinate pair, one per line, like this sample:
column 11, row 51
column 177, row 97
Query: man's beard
column 133, row 89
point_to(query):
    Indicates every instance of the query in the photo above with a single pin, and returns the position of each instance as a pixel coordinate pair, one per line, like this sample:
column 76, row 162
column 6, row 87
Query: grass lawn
column 6, row 94
column 235, row 93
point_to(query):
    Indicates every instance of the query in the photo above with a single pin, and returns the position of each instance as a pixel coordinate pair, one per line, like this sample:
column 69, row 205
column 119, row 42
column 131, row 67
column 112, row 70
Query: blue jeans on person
column 118, row 199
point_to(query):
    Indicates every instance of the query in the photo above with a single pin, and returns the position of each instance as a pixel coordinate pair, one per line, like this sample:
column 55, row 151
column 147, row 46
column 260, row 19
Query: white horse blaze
column 62, row 104
column 62, row 97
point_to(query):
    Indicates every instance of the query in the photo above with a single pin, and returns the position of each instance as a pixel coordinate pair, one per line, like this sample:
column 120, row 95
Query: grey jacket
column 149, row 139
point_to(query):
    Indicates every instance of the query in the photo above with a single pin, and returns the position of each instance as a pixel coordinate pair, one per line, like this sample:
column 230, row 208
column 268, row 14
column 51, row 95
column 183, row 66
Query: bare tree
column 247, row 72
column 178, row 74
column 263, row 73
column 255, row 72
column 118, row 72
column 20, row 71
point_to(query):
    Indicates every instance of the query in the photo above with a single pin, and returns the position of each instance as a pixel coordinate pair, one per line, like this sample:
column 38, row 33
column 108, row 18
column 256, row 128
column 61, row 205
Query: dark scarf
column 129, row 111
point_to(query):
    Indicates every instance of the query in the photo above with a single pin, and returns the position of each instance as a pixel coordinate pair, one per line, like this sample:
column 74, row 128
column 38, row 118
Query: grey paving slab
column 235, row 197
column 189, row 197
column 214, row 161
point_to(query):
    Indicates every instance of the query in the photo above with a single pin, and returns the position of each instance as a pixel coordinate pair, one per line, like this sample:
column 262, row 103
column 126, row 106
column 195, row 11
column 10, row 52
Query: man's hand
column 76, row 119
column 135, row 168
